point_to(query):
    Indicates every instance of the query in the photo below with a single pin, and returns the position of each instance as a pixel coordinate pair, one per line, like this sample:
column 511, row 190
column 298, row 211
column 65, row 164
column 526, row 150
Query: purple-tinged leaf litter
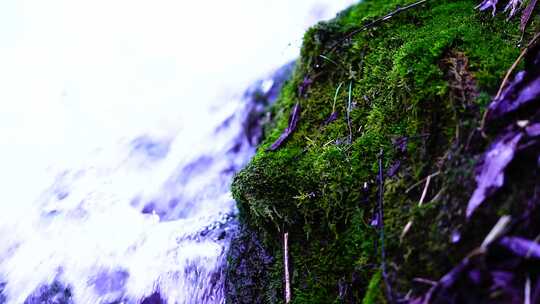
column 533, row 130
column 527, row 15
column 293, row 122
column 520, row 92
column 304, row 86
column 504, row 266
column 400, row 144
column 451, row 277
column 394, row 168
column 513, row 6
column 456, row 236
column 491, row 176
column 475, row 276
column 486, row 4
column 331, row 118
column 521, row 247
column 375, row 220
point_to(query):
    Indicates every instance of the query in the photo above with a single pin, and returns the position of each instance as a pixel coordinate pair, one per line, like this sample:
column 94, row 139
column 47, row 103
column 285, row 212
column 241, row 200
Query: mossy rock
column 414, row 87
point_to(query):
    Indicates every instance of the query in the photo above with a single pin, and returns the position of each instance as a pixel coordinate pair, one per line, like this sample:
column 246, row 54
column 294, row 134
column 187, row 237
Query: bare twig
column 411, row 222
column 514, row 65
column 529, row 251
column 377, row 21
column 349, row 113
column 389, row 294
column 527, row 291
column 424, row 193
column 422, row 180
column 497, row 230
column 286, row 267
column 508, row 74
column 526, row 16
column 425, row 281
column 405, row 230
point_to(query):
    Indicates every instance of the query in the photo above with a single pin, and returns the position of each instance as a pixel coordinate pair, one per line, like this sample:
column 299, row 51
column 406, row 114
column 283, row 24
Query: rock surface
column 414, row 86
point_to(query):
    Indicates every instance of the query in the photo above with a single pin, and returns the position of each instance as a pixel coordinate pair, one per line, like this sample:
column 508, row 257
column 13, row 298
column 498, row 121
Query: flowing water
column 122, row 124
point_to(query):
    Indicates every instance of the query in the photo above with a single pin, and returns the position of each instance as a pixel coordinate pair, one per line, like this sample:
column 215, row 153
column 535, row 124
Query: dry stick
column 497, row 231
column 529, row 251
column 508, row 74
column 389, row 294
column 425, row 281
column 422, row 198
column 527, row 291
column 424, row 193
column 422, row 180
column 405, row 230
column 286, row 266
column 349, row 113
column 514, row 65
column 377, row 21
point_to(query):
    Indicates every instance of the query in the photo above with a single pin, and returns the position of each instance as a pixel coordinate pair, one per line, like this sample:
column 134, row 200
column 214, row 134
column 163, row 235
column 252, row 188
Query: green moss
column 374, row 293
column 321, row 187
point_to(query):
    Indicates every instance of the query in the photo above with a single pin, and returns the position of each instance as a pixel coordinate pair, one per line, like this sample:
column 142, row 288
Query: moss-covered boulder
column 409, row 92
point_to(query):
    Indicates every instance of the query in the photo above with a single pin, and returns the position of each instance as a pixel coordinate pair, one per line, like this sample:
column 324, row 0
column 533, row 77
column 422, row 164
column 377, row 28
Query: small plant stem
column 286, row 267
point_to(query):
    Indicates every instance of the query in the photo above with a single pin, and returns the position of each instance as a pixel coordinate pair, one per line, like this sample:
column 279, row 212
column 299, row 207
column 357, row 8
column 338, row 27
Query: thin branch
column 514, row 65
column 377, row 21
column 527, row 291
column 389, row 294
column 410, row 223
column 405, row 230
column 424, row 193
column 349, row 113
column 425, row 281
column 286, row 267
column 499, row 229
column 536, row 240
column 422, row 180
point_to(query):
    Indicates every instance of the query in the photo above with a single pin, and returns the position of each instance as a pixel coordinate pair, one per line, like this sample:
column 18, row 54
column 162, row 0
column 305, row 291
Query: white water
column 109, row 108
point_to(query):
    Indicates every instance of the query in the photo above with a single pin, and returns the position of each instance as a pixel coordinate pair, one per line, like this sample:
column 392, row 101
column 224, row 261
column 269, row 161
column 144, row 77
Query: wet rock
column 55, row 293
column 247, row 274
column 2, row 296
column 154, row 298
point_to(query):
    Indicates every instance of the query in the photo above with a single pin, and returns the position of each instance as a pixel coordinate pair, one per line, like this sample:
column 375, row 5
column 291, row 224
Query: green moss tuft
column 374, row 291
column 321, row 187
